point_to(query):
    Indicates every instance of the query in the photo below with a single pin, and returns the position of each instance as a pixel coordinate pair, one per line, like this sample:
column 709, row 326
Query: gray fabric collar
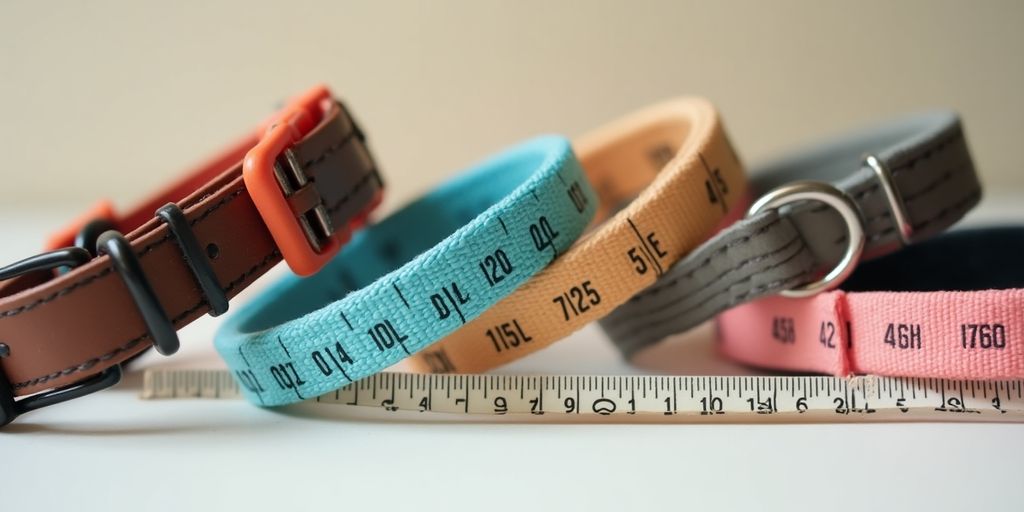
column 930, row 169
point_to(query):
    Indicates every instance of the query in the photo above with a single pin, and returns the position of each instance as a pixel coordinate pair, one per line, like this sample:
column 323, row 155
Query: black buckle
column 11, row 408
column 99, row 237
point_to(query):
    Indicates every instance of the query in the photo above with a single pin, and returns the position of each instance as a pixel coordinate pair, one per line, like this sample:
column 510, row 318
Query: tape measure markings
column 855, row 399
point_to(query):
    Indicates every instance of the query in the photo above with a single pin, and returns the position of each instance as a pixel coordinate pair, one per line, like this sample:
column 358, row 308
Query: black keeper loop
column 196, row 260
column 126, row 264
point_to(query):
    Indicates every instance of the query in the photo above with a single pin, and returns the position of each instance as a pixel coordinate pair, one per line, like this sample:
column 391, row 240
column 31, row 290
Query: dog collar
column 294, row 189
column 676, row 161
column 413, row 278
column 916, row 180
column 951, row 308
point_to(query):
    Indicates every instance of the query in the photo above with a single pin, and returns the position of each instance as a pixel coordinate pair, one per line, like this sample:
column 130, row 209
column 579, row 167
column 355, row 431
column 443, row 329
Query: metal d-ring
column 841, row 203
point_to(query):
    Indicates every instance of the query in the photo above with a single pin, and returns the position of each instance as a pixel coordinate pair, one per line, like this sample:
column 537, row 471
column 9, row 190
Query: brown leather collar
column 59, row 329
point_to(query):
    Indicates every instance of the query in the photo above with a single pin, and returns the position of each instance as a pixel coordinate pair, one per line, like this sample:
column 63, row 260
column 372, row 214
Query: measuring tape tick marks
column 682, row 399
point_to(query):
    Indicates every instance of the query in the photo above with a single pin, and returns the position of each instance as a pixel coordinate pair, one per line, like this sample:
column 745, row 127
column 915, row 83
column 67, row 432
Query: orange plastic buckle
column 306, row 239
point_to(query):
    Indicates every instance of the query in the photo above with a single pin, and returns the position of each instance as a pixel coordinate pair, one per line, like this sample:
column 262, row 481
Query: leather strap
column 62, row 328
column 951, row 308
column 413, row 278
column 676, row 161
column 934, row 184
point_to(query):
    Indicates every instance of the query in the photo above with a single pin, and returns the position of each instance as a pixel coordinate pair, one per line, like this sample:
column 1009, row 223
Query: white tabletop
column 113, row 451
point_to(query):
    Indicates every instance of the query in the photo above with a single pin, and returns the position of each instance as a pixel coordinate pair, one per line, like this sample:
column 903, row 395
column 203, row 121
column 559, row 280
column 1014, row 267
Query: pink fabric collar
column 924, row 332
column 973, row 335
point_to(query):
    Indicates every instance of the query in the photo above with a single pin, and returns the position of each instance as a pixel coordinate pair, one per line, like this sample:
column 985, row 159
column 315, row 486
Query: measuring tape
column 678, row 399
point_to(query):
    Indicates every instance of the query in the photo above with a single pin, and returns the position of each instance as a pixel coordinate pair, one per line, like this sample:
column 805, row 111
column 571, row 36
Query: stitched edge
column 658, row 287
column 957, row 206
column 642, row 342
column 756, row 291
column 906, row 166
column 659, row 322
column 354, row 190
column 89, row 363
column 910, row 164
column 974, row 195
column 87, row 280
column 691, row 294
column 231, row 285
column 931, row 186
column 157, row 243
column 330, row 150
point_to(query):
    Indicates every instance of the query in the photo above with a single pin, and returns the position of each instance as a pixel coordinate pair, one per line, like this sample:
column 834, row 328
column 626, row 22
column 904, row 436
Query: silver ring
column 847, row 209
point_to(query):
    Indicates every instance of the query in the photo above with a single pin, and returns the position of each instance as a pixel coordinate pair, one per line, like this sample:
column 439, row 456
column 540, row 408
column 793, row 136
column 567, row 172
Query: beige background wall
column 105, row 98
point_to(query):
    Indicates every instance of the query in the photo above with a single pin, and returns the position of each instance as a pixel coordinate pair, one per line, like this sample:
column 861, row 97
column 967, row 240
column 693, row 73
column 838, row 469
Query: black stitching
column 85, row 281
column 929, row 188
column 658, row 286
column 220, row 203
column 89, row 363
column 973, row 196
column 154, row 245
column 330, row 150
column 940, row 145
column 945, row 177
column 772, row 285
column 781, row 283
column 676, row 314
column 717, row 279
column 906, row 166
column 354, row 190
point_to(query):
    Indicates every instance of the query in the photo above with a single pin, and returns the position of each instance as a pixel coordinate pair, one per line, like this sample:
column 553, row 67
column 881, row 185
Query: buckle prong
column 291, row 177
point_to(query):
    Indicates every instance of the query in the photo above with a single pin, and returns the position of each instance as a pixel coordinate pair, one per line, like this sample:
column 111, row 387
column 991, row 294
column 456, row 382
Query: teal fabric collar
column 408, row 281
